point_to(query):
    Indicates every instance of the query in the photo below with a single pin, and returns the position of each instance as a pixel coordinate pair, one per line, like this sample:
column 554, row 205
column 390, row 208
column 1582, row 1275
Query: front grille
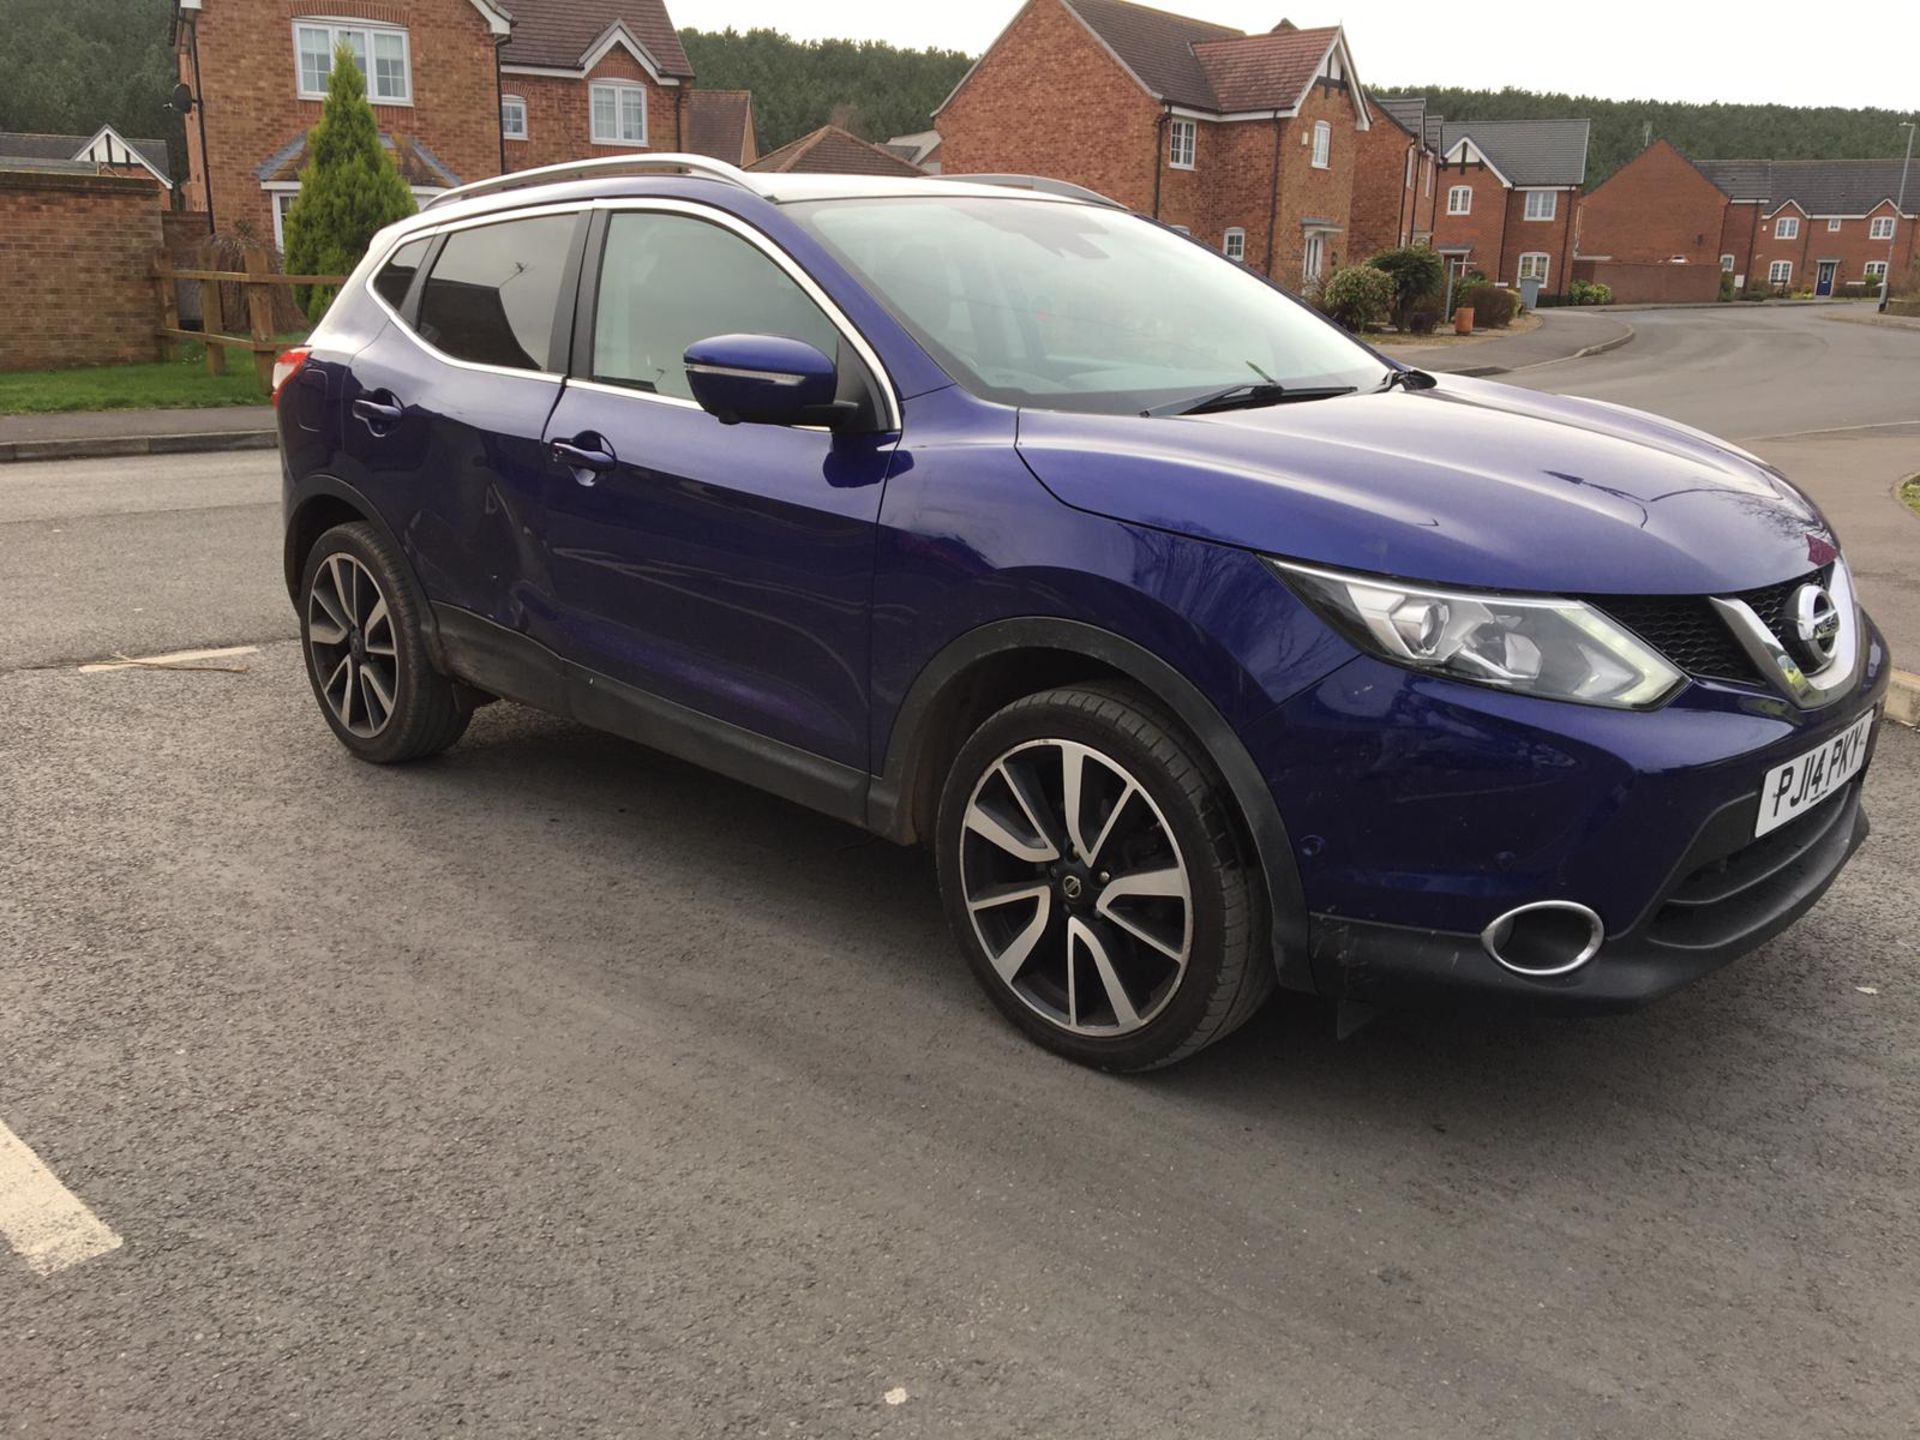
column 1690, row 633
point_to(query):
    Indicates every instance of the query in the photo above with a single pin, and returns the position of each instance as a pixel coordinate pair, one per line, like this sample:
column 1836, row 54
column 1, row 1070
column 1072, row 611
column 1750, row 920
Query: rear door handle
column 379, row 411
column 587, row 456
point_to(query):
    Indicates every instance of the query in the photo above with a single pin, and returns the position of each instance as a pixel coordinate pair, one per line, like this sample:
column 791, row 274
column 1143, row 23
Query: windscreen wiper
column 1247, row 396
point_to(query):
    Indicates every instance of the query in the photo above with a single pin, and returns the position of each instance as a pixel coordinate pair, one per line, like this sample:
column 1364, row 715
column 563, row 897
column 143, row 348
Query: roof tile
column 560, row 32
column 833, row 151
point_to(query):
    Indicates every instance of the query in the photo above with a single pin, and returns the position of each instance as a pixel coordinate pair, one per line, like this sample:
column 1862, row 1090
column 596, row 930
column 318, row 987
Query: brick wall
column 79, row 249
column 1737, row 233
column 253, row 108
column 1850, row 246
column 1653, row 208
column 1652, row 283
column 1048, row 99
column 1552, row 238
column 1484, row 227
column 560, row 114
column 1385, row 192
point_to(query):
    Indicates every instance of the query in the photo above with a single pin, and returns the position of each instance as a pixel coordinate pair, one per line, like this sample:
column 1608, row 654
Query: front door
column 1823, row 285
column 726, row 570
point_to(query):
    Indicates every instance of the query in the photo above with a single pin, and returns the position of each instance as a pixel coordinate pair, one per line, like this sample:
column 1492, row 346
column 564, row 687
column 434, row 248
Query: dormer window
column 619, row 113
column 381, row 51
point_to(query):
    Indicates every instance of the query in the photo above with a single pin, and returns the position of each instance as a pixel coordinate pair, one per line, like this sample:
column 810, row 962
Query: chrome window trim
column 849, row 332
column 1825, row 685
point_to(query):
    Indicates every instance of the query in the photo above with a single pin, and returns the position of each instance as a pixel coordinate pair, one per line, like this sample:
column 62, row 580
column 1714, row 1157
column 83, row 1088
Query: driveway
column 558, row 1088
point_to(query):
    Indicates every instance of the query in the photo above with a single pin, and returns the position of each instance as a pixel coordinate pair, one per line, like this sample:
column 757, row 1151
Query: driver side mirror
column 766, row 380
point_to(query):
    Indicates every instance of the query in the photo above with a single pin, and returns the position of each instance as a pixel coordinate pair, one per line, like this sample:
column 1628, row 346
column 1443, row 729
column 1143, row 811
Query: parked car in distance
column 1210, row 651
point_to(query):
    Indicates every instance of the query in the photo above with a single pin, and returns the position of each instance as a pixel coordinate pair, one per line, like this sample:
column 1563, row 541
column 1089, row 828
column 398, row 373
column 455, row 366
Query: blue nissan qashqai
column 1208, row 650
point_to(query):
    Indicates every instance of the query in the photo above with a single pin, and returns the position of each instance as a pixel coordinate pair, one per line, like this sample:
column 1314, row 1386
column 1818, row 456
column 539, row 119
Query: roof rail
column 1041, row 184
column 700, row 165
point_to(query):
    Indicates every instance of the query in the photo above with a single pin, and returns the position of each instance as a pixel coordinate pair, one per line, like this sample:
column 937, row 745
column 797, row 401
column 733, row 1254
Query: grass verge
column 1910, row 492
column 182, row 384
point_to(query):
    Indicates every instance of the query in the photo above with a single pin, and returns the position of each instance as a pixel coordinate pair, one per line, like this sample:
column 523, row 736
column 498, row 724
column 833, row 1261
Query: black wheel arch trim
column 329, row 487
column 890, row 804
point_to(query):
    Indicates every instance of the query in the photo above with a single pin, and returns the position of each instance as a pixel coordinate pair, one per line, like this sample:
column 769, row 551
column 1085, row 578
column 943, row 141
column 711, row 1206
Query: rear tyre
column 367, row 656
column 1093, row 874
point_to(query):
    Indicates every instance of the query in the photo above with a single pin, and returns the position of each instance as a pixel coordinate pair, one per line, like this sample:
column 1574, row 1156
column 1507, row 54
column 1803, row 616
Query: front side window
column 381, row 52
column 1460, row 200
column 1182, row 137
column 513, row 117
column 1787, row 227
column 1882, row 227
column 619, row 114
column 1780, row 272
column 668, row 281
column 1235, row 247
column 1533, row 266
column 1076, row 307
column 1542, row 204
column 490, row 299
column 1322, row 145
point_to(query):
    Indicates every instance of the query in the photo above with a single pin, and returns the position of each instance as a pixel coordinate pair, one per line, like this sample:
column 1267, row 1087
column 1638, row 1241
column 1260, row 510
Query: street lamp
column 1899, row 211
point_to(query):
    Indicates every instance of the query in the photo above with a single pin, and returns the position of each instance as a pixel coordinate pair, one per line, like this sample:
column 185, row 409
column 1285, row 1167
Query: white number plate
column 1796, row 787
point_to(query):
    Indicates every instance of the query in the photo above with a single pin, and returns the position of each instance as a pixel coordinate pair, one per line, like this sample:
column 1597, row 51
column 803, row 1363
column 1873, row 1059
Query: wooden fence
column 257, row 283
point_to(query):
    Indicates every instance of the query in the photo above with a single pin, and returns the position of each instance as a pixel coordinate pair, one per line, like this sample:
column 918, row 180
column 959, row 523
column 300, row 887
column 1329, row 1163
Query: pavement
column 94, row 434
column 555, row 1087
column 1563, row 334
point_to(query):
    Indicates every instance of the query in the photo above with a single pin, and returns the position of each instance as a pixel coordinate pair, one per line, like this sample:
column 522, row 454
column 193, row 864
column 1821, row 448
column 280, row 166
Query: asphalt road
column 555, row 1088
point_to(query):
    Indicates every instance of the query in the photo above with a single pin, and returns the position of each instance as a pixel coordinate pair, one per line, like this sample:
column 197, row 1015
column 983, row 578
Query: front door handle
column 587, row 456
column 380, row 412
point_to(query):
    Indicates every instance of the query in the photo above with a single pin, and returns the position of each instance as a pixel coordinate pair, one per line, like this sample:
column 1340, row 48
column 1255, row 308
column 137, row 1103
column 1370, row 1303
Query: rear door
column 724, row 569
column 446, row 411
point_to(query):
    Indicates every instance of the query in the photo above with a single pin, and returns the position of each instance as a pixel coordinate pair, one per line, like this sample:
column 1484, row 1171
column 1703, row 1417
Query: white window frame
column 1429, row 167
column 1787, row 227
column 1183, row 140
column 1544, row 267
column 1313, row 257
column 1552, row 204
column 1780, row 272
column 508, row 105
column 334, row 31
column 1410, row 159
column 1234, row 244
column 1726, row 264
column 1833, row 223
column 1463, row 193
column 1881, row 227
column 1874, row 270
column 1322, row 145
column 618, row 90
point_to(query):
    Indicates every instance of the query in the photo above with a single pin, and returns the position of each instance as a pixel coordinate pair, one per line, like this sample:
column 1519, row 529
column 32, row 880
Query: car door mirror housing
column 766, row 380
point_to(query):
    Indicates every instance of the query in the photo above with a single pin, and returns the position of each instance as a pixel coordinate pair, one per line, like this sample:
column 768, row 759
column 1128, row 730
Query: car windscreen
column 1077, row 307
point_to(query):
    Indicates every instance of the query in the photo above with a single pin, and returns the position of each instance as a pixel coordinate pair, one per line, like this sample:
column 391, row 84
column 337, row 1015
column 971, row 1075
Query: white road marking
column 1827, row 430
column 47, row 1225
column 179, row 657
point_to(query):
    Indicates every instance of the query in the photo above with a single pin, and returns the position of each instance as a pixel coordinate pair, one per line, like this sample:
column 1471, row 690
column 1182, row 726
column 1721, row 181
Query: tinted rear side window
column 396, row 278
column 493, row 291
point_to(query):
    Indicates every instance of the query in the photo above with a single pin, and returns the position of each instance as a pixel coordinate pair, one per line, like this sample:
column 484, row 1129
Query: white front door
column 1316, row 253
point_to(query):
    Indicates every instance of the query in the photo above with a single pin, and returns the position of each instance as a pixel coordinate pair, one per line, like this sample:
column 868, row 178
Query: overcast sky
column 1627, row 49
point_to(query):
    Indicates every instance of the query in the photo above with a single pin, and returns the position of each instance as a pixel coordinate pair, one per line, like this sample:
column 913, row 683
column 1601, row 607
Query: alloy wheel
column 354, row 652
column 1076, row 887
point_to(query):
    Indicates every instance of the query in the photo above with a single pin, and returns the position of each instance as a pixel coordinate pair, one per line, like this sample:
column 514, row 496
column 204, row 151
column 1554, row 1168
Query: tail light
column 289, row 364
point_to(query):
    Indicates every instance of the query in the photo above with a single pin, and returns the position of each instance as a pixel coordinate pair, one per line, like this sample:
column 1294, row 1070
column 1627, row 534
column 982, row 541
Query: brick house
column 833, row 151
column 1394, row 190
column 1507, row 195
column 462, row 89
column 105, row 152
column 1248, row 142
column 720, row 123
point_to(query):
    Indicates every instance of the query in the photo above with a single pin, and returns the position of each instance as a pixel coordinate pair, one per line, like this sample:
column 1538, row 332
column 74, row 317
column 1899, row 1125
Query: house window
column 1780, row 272
column 1833, row 224
column 1315, row 257
column 1875, row 270
column 1322, row 145
column 1882, row 228
column 1533, row 266
column 619, row 114
column 1787, row 227
column 1427, row 165
column 1181, row 136
column 1542, row 204
column 1726, row 264
column 1460, row 200
column 513, row 117
column 380, row 51
column 1235, row 246
column 282, row 207
column 1409, row 182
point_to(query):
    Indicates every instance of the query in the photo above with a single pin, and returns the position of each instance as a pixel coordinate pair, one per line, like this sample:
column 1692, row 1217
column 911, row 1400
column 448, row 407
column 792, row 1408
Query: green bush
column 1465, row 288
column 1424, row 318
column 1590, row 292
column 1493, row 307
column 1418, row 274
column 1358, row 297
column 1726, row 286
column 349, row 191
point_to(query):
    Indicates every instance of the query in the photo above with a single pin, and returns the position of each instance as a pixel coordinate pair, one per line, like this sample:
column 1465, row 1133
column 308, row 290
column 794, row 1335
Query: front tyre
column 361, row 628
column 1091, row 870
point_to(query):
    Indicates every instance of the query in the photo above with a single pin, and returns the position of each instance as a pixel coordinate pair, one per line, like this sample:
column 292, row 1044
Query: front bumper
column 1420, row 810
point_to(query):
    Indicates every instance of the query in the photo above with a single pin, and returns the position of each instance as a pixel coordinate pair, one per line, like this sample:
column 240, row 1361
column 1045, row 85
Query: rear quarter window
column 492, row 295
column 396, row 276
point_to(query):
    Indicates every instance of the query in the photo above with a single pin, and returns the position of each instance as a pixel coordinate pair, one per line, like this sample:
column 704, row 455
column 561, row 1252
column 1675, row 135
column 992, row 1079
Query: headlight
column 1561, row 649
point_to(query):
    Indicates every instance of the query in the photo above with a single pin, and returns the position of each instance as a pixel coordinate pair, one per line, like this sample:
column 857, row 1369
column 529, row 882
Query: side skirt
column 504, row 663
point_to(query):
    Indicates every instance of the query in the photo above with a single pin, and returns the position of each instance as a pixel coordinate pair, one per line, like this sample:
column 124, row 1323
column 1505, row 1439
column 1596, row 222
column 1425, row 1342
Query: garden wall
column 1663, row 284
column 78, row 249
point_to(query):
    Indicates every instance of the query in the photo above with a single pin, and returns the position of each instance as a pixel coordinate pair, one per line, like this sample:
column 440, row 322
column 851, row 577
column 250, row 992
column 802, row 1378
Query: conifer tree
column 349, row 191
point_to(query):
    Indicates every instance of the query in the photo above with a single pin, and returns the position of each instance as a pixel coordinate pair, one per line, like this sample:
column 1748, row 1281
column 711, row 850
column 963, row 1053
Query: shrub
column 1590, row 292
column 1726, row 286
column 1424, row 318
column 1358, row 297
column 349, row 191
column 1417, row 273
column 1493, row 307
column 1466, row 287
